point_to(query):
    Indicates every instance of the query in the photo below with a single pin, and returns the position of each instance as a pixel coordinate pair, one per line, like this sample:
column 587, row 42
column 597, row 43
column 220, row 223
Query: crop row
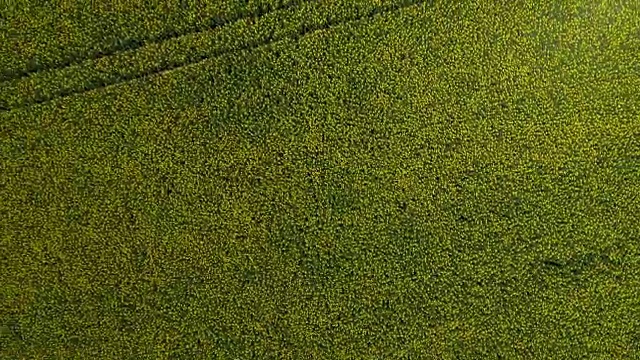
column 44, row 37
column 191, row 48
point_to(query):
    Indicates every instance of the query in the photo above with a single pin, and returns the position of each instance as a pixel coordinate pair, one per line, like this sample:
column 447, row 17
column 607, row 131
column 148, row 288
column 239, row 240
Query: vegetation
column 181, row 50
column 42, row 35
column 330, row 179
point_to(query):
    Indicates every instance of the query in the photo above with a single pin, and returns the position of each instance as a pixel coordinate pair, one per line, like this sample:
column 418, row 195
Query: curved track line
column 124, row 45
column 249, row 46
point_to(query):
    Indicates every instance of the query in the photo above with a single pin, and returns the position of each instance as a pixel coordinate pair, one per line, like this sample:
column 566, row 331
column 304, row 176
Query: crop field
column 320, row 179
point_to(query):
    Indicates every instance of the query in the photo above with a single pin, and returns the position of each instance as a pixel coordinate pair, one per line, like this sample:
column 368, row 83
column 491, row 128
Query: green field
column 330, row 179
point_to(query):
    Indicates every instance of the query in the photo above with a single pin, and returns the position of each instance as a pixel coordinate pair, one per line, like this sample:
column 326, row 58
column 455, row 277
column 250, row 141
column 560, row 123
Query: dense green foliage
column 189, row 48
column 335, row 179
column 38, row 35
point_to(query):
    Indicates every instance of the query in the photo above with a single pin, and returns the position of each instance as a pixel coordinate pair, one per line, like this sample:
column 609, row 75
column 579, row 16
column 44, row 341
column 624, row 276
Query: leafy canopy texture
column 335, row 179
